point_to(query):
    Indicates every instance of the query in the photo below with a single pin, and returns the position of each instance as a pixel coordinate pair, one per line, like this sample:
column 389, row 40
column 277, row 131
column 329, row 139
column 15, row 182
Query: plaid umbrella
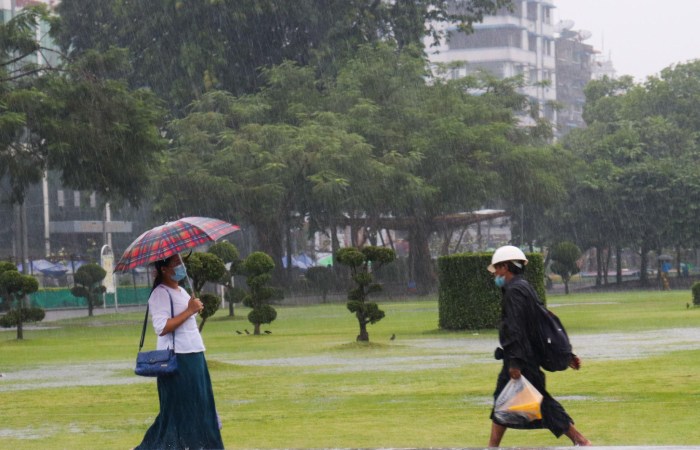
column 172, row 238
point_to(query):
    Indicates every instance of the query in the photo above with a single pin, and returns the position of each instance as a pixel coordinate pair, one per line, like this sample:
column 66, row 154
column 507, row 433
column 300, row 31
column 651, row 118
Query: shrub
column 565, row 256
column 211, row 304
column 88, row 279
column 31, row 314
column 322, row 278
column 258, row 267
column 696, row 293
column 203, row 268
column 359, row 261
column 230, row 256
column 467, row 296
column 14, row 287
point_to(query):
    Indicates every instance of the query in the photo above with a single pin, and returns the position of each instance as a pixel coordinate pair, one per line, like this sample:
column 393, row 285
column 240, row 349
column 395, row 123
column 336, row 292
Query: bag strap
column 145, row 321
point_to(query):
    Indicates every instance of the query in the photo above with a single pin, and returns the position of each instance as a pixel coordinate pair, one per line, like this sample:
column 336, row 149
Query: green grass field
column 70, row 384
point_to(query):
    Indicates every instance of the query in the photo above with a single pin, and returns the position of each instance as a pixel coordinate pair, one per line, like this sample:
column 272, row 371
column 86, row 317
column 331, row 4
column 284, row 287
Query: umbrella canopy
column 172, row 238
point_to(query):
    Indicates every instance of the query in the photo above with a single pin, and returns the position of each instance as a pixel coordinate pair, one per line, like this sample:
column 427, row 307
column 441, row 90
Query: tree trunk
column 566, row 285
column 422, row 261
column 446, row 240
column 618, row 264
column 20, row 329
column 288, row 242
column 643, row 265
column 599, row 266
column 270, row 238
column 335, row 246
column 364, row 335
column 459, row 241
column 256, row 330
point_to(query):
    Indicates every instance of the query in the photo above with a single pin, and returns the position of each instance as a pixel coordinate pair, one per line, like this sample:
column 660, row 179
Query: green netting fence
column 56, row 298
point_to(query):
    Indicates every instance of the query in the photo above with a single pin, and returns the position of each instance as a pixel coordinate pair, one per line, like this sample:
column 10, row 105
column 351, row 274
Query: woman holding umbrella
column 187, row 417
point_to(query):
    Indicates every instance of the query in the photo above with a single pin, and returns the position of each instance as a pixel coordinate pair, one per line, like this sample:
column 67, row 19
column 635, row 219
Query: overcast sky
column 641, row 36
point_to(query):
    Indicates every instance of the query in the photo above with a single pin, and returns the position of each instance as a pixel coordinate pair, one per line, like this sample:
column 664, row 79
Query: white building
column 510, row 43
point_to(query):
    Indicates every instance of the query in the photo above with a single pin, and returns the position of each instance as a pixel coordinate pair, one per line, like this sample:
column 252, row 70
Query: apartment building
column 516, row 41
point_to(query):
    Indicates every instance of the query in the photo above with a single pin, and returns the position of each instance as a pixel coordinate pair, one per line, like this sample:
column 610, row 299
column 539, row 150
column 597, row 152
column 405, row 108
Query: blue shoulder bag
column 156, row 363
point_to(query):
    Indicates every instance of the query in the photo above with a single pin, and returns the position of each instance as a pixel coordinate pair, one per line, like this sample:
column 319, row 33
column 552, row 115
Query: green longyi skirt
column 187, row 417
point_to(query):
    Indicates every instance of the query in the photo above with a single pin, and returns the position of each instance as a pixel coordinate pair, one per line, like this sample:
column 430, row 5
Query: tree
column 565, row 256
column 258, row 267
column 88, row 279
column 182, row 50
column 361, row 262
column 14, row 287
column 68, row 117
column 203, row 268
column 100, row 135
column 229, row 255
column 22, row 157
column 323, row 278
column 266, row 161
column 438, row 144
column 637, row 151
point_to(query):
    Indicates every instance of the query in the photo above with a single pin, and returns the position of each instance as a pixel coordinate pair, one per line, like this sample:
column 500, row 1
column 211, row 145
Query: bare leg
column 497, row 432
column 576, row 437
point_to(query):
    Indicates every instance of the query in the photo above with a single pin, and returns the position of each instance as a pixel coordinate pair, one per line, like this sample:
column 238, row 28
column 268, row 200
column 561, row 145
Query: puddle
column 441, row 353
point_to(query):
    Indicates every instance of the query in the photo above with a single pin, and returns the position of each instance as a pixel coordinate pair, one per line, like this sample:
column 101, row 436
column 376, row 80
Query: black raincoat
column 518, row 337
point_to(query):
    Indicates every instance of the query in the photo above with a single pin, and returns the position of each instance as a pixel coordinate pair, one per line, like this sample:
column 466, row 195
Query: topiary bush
column 695, row 289
column 88, row 279
column 14, row 288
column 359, row 261
column 205, row 268
column 230, row 256
column 30, row 314
column 467, row 297
column 258, row 267
column 565, row 257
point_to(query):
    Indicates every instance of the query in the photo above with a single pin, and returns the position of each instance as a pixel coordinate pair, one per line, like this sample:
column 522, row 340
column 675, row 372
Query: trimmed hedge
column 695, row 289
column 467, row 297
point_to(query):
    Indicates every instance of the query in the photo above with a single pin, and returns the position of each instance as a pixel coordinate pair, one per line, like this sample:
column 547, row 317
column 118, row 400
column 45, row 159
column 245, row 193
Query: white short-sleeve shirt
column 187, row 336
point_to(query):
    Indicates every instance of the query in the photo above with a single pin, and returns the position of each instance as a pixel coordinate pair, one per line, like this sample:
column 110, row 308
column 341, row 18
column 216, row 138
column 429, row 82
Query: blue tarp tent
column 45, row 267
column 301, row 261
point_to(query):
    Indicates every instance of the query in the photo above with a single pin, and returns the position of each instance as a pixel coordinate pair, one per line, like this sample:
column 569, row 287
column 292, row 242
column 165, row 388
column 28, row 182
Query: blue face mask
column 500, row 281
column 180, row 272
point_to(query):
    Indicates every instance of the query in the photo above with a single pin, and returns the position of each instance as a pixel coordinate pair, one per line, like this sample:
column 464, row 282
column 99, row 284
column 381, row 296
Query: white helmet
column 506, row 253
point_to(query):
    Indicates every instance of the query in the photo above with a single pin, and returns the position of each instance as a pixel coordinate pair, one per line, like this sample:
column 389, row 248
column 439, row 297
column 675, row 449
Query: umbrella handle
column 189, row 282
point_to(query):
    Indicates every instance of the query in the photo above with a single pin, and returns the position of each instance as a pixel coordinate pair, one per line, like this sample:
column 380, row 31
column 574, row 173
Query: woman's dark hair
column 159, row 265
column 515, row 270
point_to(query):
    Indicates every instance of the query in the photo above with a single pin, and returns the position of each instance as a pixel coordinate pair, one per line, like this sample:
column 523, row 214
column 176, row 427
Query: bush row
column 467, row 296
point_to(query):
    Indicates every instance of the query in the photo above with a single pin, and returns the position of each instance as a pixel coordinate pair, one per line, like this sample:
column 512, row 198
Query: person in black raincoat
column 517, row 333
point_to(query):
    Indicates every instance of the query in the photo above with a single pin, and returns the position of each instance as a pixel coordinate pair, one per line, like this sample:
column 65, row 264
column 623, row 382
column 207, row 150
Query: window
column 532, row 42
column 61, row 199
column 485, row 38
column 547, row 15
column 532, row 11
column 76, row 199
column 93, row 200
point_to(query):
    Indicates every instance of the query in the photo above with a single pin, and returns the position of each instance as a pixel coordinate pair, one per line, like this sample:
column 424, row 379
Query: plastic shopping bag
column 518, row 403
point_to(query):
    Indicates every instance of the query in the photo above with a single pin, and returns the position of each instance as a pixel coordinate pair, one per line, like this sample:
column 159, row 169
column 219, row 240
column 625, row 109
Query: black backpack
column 556, row 351
column 551, row 339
